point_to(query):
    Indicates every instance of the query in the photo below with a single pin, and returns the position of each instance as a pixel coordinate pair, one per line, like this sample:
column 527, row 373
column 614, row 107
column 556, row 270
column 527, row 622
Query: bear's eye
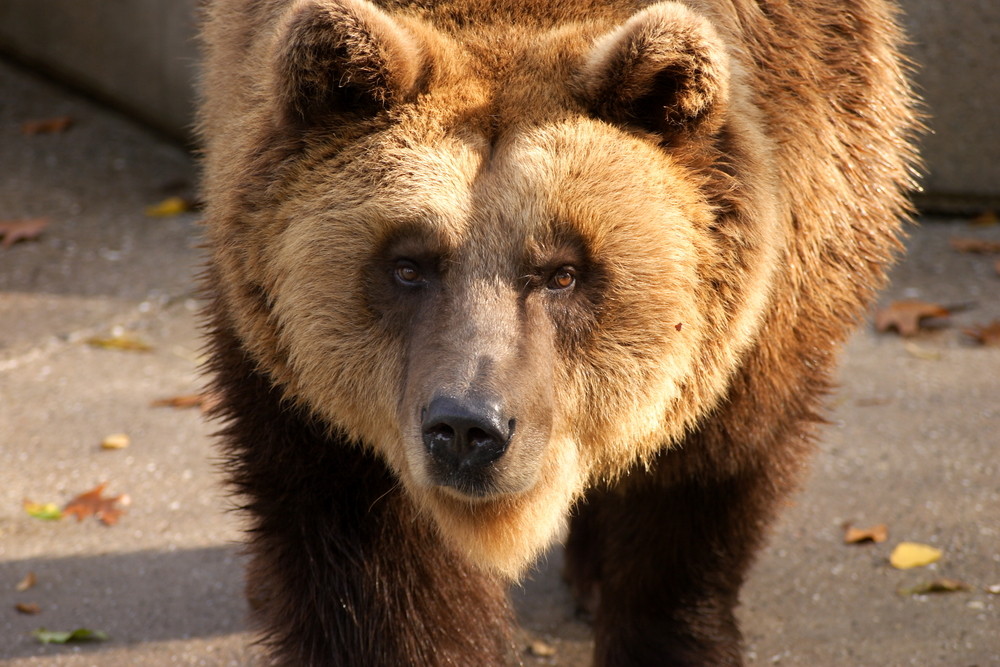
column 407, row 273
column 563, row 278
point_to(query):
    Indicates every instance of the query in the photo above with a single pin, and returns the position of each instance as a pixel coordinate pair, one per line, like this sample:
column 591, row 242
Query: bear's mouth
column 465, row 482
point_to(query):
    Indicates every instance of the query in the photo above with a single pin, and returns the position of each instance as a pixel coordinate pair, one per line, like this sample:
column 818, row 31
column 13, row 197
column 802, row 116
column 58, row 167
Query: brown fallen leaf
column 942, row 585
column 47, row 125
column 29, row 580
column 988, row 335
column 181, row 401
column 975, row 246
column 92, row 503
column 906, row 316
column 985, row 219
column 28, row 608
column 13, row 231
column 206, row 401
column 872, row 402
column 877, row 533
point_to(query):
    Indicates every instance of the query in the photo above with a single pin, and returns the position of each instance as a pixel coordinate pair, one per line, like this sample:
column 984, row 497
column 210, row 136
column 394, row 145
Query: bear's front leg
column 661, row 565
column 343, row 569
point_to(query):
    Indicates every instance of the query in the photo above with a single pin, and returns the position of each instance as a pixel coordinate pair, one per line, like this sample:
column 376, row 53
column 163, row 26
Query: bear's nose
column 463, row 437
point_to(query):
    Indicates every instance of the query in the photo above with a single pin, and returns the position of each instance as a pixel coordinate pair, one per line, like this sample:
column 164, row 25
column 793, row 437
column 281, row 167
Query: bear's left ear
column 344, row 56
column 664, row 70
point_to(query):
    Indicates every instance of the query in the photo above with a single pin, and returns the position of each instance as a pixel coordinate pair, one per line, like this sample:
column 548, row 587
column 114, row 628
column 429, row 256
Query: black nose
column 463, row 437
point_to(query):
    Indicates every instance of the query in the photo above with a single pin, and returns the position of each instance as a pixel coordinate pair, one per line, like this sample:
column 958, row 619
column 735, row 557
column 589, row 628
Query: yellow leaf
column 911, row 554
column 124, row 342
column 169, row 207
column 541, row 649
column 915, row 350
column 116, row 441
column 47, row 511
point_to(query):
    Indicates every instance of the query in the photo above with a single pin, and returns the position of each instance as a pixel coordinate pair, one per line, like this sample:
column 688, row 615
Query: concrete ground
column 912, row 441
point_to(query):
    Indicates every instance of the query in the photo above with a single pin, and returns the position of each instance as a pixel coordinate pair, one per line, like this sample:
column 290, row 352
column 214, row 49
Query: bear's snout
column 464, row 438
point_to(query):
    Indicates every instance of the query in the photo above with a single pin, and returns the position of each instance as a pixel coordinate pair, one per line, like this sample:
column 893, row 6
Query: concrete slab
column 165, row 583
column 912, row 441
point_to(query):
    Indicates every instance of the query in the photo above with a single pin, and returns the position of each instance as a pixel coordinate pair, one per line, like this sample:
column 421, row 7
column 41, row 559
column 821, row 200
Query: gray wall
column 956, row 45
column 140, row 54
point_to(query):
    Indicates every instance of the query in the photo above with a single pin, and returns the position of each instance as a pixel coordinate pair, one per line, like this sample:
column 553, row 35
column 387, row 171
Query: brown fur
column 724, row 181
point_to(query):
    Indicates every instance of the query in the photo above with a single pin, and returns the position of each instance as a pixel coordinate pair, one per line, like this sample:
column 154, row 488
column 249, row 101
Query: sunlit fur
column 731, row 173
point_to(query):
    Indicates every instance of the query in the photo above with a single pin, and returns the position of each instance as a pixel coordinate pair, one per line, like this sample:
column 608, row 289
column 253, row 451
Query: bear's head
column 513, row 263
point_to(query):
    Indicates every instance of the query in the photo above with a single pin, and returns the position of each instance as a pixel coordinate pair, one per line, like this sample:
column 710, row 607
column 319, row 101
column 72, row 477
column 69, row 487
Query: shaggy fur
column 633, row 235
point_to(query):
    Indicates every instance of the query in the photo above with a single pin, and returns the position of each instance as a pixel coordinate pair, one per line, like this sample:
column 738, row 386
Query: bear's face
column 527, row 286
column 508, row 313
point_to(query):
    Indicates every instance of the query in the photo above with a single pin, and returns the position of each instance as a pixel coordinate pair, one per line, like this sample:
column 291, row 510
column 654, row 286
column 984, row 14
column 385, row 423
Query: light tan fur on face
column 722, row 249
column 643, row 382
column 644, row 222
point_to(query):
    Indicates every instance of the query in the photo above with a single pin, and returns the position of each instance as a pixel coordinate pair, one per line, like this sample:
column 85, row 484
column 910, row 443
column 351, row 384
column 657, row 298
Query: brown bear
column 490, row 274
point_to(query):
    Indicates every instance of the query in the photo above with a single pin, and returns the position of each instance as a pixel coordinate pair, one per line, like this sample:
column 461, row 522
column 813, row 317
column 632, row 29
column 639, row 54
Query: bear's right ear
column 664, row 70
column 343, row 56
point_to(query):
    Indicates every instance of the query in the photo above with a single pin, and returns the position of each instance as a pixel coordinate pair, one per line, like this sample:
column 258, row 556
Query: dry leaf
column 92, row 503
column 169, row 207
column 996, row 267
column 182, row 401
column 206, row 401
column 116, row 441
column 985, row 219
column 78, row 635
column 911, row 554
column 905, row 316
column 47, row 511
column 29, row 580
column 872, row 402
column 47, row 125
column 915, row 350
column 28, row 608
column 541, row 649
column 879, row 533
column 975, row 246
column 13, row 231
column 988, row 335
column 937, row 586
column 122, row 342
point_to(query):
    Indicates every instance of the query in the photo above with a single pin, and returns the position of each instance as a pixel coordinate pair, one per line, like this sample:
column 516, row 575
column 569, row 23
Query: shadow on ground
column 135, row 597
